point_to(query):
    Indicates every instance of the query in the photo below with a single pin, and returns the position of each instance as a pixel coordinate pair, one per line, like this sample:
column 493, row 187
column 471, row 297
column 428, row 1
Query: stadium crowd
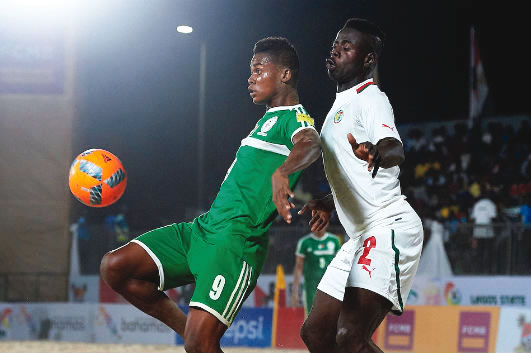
column 446, row 174
column 477, row 183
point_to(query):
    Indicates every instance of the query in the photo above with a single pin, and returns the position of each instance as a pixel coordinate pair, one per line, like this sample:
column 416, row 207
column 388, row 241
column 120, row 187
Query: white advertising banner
column 425, row 291
column 488, row 290
column 115, row 323
column 6, row 321
column 503, row 291
column 514, row 330
column 105, row 323
column 50, row 321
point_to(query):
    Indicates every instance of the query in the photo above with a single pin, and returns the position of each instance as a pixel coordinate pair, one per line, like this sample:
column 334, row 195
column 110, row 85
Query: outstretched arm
column 387, row 153
column 306, row 150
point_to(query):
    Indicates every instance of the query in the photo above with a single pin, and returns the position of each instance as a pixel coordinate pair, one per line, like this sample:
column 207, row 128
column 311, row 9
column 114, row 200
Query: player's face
column 320, row 233
column 265, row 79
column 347, row 56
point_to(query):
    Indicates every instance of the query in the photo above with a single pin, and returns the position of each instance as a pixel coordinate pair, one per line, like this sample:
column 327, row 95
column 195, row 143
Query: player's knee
column 197, row 344
column 110, row 269
column 312, row 336
column 350, row 340
column 305, row 332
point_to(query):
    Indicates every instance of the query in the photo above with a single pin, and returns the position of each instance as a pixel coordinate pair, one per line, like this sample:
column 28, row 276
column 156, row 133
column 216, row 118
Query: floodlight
column 184, row 29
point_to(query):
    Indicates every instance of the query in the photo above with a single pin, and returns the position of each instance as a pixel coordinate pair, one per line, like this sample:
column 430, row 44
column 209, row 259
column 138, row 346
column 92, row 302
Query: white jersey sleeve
column 378, row 120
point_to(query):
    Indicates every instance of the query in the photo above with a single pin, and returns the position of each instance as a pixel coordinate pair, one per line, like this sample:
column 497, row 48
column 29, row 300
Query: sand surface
column 70, row 347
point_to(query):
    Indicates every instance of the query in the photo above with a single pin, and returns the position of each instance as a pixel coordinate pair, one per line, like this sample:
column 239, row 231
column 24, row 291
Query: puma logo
column 367, row 269
column 392, row 128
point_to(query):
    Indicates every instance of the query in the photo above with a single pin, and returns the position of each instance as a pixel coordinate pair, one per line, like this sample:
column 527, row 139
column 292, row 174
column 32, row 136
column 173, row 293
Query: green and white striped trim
column 156, row 260
column 235, row 300
column 211, row 311
column 266, row 146
column 237, row 295
column 397, row 269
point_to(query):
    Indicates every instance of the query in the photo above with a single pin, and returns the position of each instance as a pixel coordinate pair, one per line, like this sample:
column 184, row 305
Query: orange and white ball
column 97, row 178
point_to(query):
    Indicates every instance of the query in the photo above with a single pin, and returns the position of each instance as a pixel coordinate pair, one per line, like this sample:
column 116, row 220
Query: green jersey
column 317, row 253
column 244, row 204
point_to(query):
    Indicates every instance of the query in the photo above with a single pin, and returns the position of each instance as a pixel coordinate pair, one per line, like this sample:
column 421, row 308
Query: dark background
column 138, row 80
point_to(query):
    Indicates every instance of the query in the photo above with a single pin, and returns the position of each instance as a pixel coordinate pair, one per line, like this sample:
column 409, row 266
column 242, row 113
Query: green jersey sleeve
column 296, row 121
column 298, row 250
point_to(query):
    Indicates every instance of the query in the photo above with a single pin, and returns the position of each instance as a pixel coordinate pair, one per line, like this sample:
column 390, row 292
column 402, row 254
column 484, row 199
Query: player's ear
column 370, row 60
column 286, row 75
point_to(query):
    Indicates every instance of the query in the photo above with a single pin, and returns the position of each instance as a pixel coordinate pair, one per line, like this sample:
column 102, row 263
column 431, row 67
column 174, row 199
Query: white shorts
column 383, row 260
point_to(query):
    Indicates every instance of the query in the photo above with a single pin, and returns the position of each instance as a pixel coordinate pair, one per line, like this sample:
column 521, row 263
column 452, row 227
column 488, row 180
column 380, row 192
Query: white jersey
column 361, row 202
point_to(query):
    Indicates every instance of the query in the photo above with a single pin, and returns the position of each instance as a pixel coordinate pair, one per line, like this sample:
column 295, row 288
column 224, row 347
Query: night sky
column 138, row 79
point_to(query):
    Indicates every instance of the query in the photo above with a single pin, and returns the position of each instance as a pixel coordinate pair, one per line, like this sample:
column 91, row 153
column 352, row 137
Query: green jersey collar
column 326, row 235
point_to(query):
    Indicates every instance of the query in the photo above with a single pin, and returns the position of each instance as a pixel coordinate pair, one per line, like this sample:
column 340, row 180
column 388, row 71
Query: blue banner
column 251, row 328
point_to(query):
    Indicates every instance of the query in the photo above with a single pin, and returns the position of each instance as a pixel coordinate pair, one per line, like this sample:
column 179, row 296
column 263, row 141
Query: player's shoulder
column 372, row 94
column 305, row 237
column 295, row 118
column 366, row 96
column 303, row 242
column 301, row 115
column 374, row 102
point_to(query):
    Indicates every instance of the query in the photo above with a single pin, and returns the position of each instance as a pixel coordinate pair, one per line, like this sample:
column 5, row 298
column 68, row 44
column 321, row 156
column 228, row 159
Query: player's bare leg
column 131, row 272
column 360, row 316
column 203, row 332
column 320, row 327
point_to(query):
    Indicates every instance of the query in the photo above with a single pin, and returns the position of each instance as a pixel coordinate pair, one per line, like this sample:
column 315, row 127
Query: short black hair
column 365, row 26
column 282, row 51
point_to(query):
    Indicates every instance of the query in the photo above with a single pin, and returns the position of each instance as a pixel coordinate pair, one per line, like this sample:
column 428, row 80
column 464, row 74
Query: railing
column 507, row 252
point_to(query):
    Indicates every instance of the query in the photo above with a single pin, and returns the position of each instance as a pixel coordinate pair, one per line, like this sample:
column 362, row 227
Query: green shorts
column 224, row 268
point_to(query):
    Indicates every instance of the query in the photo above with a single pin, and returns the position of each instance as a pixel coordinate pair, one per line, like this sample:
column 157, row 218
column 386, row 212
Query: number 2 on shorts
column 217, row 287
column 368, row 244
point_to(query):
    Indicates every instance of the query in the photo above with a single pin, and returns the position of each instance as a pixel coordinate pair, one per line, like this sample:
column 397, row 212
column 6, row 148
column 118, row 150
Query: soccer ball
column 97, row 178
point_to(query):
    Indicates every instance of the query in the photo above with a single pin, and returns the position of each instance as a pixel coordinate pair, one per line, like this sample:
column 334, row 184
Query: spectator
column 483, row 212
column 475, row 189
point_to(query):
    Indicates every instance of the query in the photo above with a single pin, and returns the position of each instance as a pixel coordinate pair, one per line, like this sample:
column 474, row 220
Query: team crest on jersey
column 330, row 245
column 338, row 117
column 267, row 126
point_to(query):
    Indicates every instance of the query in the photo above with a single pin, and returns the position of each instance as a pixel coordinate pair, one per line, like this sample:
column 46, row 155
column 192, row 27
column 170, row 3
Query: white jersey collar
column 356, row 89
column 284, row 107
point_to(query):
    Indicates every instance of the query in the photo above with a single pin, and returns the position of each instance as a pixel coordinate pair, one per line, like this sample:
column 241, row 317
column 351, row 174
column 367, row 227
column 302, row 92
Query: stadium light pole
column 201, row 118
